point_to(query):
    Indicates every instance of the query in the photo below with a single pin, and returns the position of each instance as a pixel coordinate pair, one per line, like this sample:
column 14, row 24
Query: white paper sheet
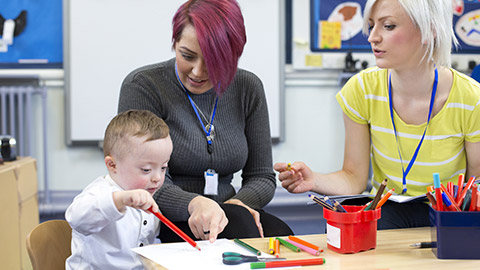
column 183, row 256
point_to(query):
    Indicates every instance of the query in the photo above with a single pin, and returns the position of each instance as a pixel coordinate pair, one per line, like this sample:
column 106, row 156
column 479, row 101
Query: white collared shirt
column 102, row 237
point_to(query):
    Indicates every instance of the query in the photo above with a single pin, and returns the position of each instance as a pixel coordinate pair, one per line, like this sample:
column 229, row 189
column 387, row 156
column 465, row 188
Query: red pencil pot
column 353, row 231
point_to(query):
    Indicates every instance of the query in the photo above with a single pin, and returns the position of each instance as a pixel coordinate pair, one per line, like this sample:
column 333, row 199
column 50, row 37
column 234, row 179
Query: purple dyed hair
column 221, row 36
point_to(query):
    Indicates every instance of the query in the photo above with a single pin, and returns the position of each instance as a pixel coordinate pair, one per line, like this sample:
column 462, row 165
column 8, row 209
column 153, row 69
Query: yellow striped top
column 364, row 99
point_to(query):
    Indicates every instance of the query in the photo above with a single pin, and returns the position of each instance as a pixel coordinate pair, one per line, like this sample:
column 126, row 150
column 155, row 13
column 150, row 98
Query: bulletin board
column 39, row 45
column 350, row 16
column 466, row 24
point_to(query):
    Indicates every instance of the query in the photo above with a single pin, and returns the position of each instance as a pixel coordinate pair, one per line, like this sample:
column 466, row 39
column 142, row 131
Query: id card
column 211, row 182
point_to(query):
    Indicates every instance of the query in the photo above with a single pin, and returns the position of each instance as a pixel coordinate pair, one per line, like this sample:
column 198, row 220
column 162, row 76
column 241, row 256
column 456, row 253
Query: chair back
column 49, row 245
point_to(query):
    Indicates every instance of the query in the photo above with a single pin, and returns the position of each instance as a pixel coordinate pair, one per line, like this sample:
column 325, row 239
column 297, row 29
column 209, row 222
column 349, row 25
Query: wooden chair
column 49, row 245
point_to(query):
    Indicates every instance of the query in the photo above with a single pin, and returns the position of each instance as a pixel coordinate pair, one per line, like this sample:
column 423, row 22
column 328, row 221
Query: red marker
column 174, row 228
column 461, row 178
column 438, row 191
column 474, row 199
column 450, row 198
column 464, row 191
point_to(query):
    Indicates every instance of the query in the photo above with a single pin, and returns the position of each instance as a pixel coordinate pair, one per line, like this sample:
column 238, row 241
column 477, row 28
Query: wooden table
column 393, row 251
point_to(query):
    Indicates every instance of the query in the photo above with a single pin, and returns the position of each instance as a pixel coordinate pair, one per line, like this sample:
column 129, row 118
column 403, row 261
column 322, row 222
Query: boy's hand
column 137, row 198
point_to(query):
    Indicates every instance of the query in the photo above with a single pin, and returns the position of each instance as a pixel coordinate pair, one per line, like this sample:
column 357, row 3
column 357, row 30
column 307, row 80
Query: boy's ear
column 110, row 163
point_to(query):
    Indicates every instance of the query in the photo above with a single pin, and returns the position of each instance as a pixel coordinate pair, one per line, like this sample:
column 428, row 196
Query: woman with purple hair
column 219, row 125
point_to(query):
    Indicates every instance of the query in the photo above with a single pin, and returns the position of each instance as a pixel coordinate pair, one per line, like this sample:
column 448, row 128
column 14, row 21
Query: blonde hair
column 132, row 123
column 434, row 19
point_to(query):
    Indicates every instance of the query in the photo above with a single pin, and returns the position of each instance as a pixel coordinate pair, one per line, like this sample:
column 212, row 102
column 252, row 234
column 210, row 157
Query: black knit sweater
column 242, row 137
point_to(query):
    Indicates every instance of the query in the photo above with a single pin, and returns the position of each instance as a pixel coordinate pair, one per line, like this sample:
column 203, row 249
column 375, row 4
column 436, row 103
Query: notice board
column 349, row 13
column 39, row 44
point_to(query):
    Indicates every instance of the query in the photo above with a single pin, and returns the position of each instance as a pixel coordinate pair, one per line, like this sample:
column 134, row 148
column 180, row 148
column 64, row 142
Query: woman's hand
column 296, row 178
column 255, row 214
column 207, row 218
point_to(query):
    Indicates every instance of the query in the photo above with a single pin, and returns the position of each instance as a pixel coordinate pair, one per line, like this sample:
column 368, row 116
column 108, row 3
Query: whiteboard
column 104, row 40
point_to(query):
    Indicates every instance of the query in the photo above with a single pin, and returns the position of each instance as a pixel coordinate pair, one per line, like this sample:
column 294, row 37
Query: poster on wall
column 31, row 34
column 337, row 25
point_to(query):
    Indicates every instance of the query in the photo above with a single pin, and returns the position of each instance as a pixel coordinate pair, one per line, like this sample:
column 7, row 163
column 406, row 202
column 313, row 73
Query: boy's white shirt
column 102, row 237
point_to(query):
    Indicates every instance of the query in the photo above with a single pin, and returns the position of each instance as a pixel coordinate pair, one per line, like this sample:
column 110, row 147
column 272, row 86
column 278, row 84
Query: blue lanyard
column 207, row 132
column 414, row 157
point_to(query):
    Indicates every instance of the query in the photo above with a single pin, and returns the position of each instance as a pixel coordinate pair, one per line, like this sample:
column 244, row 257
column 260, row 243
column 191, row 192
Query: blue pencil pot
column 455, row 235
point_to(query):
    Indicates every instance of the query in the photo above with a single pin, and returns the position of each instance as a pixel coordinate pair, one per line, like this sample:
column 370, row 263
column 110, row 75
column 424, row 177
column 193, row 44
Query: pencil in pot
column 384, row 199
column 174, row 228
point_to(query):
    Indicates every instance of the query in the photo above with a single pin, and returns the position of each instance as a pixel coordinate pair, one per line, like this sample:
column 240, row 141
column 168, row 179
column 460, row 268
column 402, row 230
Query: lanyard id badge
column 430, row 109
column 211, row 182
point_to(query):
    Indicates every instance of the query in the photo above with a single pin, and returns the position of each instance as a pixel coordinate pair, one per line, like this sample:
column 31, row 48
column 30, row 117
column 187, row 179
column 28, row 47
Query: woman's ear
column 110, row 163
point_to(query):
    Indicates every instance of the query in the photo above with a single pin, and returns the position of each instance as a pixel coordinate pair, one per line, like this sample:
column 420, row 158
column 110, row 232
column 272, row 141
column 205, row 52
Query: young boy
column 107, row 217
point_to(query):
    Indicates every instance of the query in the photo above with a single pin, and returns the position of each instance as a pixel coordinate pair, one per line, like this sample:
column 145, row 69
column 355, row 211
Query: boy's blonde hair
column 132, row 123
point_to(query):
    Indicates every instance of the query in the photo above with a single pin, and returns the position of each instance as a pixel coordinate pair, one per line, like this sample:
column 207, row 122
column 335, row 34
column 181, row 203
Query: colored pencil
column 314, row 252
column 305, row 243
column 320, row 202
column 385, row 198
column 287, row 263
column 247, row 246
column 378, row 195
column 271, row 245
column 338, row 207
column 276, row 248
column 365, row 206
column 288, row 245
column 175, row 229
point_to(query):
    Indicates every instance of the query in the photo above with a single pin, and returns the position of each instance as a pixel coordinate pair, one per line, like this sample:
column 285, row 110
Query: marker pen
column 438, row 191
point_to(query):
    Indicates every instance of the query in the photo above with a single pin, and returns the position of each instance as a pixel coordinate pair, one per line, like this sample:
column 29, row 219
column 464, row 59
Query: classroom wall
column 314, row 133
column 314, row 130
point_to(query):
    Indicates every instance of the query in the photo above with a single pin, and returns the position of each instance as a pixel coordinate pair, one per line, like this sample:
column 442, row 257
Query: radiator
column 16, row 116
column 18, row 120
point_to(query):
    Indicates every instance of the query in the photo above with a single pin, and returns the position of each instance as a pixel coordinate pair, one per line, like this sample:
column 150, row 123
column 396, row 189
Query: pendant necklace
column 209, row 129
